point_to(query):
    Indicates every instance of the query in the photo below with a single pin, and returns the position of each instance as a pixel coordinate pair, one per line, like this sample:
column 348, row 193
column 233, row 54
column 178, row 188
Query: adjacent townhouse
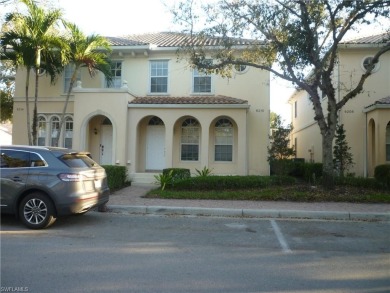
column 366, row 118
column 159, row 112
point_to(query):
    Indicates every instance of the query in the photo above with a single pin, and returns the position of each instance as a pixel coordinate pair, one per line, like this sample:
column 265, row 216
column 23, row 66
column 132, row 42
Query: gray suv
column 38, row 184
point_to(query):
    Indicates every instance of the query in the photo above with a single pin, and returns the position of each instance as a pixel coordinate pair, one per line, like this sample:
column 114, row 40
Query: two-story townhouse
column 158, row 113
column 366, row 117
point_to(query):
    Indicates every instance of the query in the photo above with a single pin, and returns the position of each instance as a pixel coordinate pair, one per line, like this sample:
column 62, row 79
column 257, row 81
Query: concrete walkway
column 130, row 200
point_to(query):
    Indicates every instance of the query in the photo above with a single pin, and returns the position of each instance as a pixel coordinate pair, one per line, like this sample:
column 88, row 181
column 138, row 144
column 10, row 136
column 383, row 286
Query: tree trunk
column 35, row 112
column 28, row 107
column 62, row 121
column 327, row 161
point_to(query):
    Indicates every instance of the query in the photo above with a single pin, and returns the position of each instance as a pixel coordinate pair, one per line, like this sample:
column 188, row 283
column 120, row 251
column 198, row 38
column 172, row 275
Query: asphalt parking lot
column 109, row 252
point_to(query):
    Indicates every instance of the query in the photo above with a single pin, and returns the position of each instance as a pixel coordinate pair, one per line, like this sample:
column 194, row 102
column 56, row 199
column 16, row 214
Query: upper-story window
column 159, row 76
column 116, row 74
column 240, row 68
column 68, row 72
column 367, row 61
column 201, row 81
column 190, row 136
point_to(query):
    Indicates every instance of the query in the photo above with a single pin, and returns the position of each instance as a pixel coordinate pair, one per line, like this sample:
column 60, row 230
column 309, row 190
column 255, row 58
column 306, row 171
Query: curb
column 250, row 213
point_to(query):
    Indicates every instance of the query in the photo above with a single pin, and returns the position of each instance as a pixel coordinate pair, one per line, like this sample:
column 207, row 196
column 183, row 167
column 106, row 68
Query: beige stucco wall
column 91, row 103
column 352, row 115
column 173, row 118
column 48, row 106
column 377, row 121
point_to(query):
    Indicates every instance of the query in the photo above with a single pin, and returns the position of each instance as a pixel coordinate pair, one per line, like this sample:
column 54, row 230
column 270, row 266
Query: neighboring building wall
column 355, row 118
column 377, row 86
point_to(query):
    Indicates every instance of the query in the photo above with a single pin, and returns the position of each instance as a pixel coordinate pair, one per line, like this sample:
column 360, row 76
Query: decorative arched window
column 155, row 121
column 54, row 127
column 190, row 134
column 68, row 133
column 42, row 133
column 388, row 142
column 223, row 140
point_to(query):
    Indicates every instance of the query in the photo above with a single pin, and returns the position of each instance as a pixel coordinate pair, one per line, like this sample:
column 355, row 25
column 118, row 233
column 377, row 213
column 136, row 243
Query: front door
column 155, row 147
column 106, row 145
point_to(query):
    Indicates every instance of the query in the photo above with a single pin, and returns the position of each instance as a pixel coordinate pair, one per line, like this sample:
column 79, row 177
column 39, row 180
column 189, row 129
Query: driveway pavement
column 130, row 200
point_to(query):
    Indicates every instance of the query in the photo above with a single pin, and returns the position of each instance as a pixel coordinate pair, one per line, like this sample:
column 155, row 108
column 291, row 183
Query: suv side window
column 36, row 160
column 14, row 159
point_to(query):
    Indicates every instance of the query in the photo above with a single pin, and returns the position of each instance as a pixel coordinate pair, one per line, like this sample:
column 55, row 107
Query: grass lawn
column 299, row 193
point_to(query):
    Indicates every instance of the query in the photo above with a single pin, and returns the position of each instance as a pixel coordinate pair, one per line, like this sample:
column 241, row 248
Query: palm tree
column 20, row 55
column 33, row 38
column 91, row 52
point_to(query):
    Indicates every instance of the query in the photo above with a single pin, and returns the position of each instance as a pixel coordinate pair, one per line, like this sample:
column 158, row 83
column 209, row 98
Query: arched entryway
column 101, row 140
column 155, row 145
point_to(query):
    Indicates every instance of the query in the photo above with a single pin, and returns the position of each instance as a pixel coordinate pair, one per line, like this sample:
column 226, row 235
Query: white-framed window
column 68, row 133
column 68, row 72
column 366, row 62
column 223, row 140
column 240, row 68
column 116, row 74
column 190, row 136
column 201, row 81
column 158, row 76
column 54, row 127
column 42, row 130
column 48, row 126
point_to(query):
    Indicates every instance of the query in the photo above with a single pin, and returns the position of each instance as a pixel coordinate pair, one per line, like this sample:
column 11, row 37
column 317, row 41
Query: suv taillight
column 71, row 177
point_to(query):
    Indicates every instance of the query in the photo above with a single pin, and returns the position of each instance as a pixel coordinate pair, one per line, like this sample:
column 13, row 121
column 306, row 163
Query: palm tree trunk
column 62, row 120
column 28, row 106
column 35, row 112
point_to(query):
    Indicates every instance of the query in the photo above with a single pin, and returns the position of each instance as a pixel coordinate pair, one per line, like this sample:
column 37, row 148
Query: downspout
column 246, row 144
column 365, row 171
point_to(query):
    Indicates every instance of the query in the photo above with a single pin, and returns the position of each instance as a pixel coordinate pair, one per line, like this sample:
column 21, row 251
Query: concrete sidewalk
column 130, row 200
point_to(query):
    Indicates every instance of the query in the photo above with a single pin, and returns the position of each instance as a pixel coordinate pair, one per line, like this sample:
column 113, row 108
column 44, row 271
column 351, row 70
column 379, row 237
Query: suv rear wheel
column 37, row 211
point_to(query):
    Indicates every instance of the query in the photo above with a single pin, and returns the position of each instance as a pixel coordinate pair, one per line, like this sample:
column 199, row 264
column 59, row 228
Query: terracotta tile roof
column 373, row 39
column 117, row 41
column 170, row 39
column 383, row 101
column 195, row 100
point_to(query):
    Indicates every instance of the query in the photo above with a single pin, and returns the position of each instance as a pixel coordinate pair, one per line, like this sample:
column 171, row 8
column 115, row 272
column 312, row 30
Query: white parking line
column 279, row 235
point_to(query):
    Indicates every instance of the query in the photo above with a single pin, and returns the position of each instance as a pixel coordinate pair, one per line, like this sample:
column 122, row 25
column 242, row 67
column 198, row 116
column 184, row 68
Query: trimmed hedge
column 382, row 174
column 231, row 182
column 178, row 173
column 116, row 176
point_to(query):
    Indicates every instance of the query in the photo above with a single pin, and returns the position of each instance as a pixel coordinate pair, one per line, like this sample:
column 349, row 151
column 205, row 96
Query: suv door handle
column 16, row 179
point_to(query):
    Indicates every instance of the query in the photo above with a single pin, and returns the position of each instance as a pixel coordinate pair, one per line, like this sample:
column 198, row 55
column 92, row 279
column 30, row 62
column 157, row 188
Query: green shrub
column 281, row 167
column 382, row 174
column 231, row 182
column 177, row 173
column 204, row 172
column 298, row 168
column 312, row 172
column 164, row 179
column 361, row 182
column 116, row 176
